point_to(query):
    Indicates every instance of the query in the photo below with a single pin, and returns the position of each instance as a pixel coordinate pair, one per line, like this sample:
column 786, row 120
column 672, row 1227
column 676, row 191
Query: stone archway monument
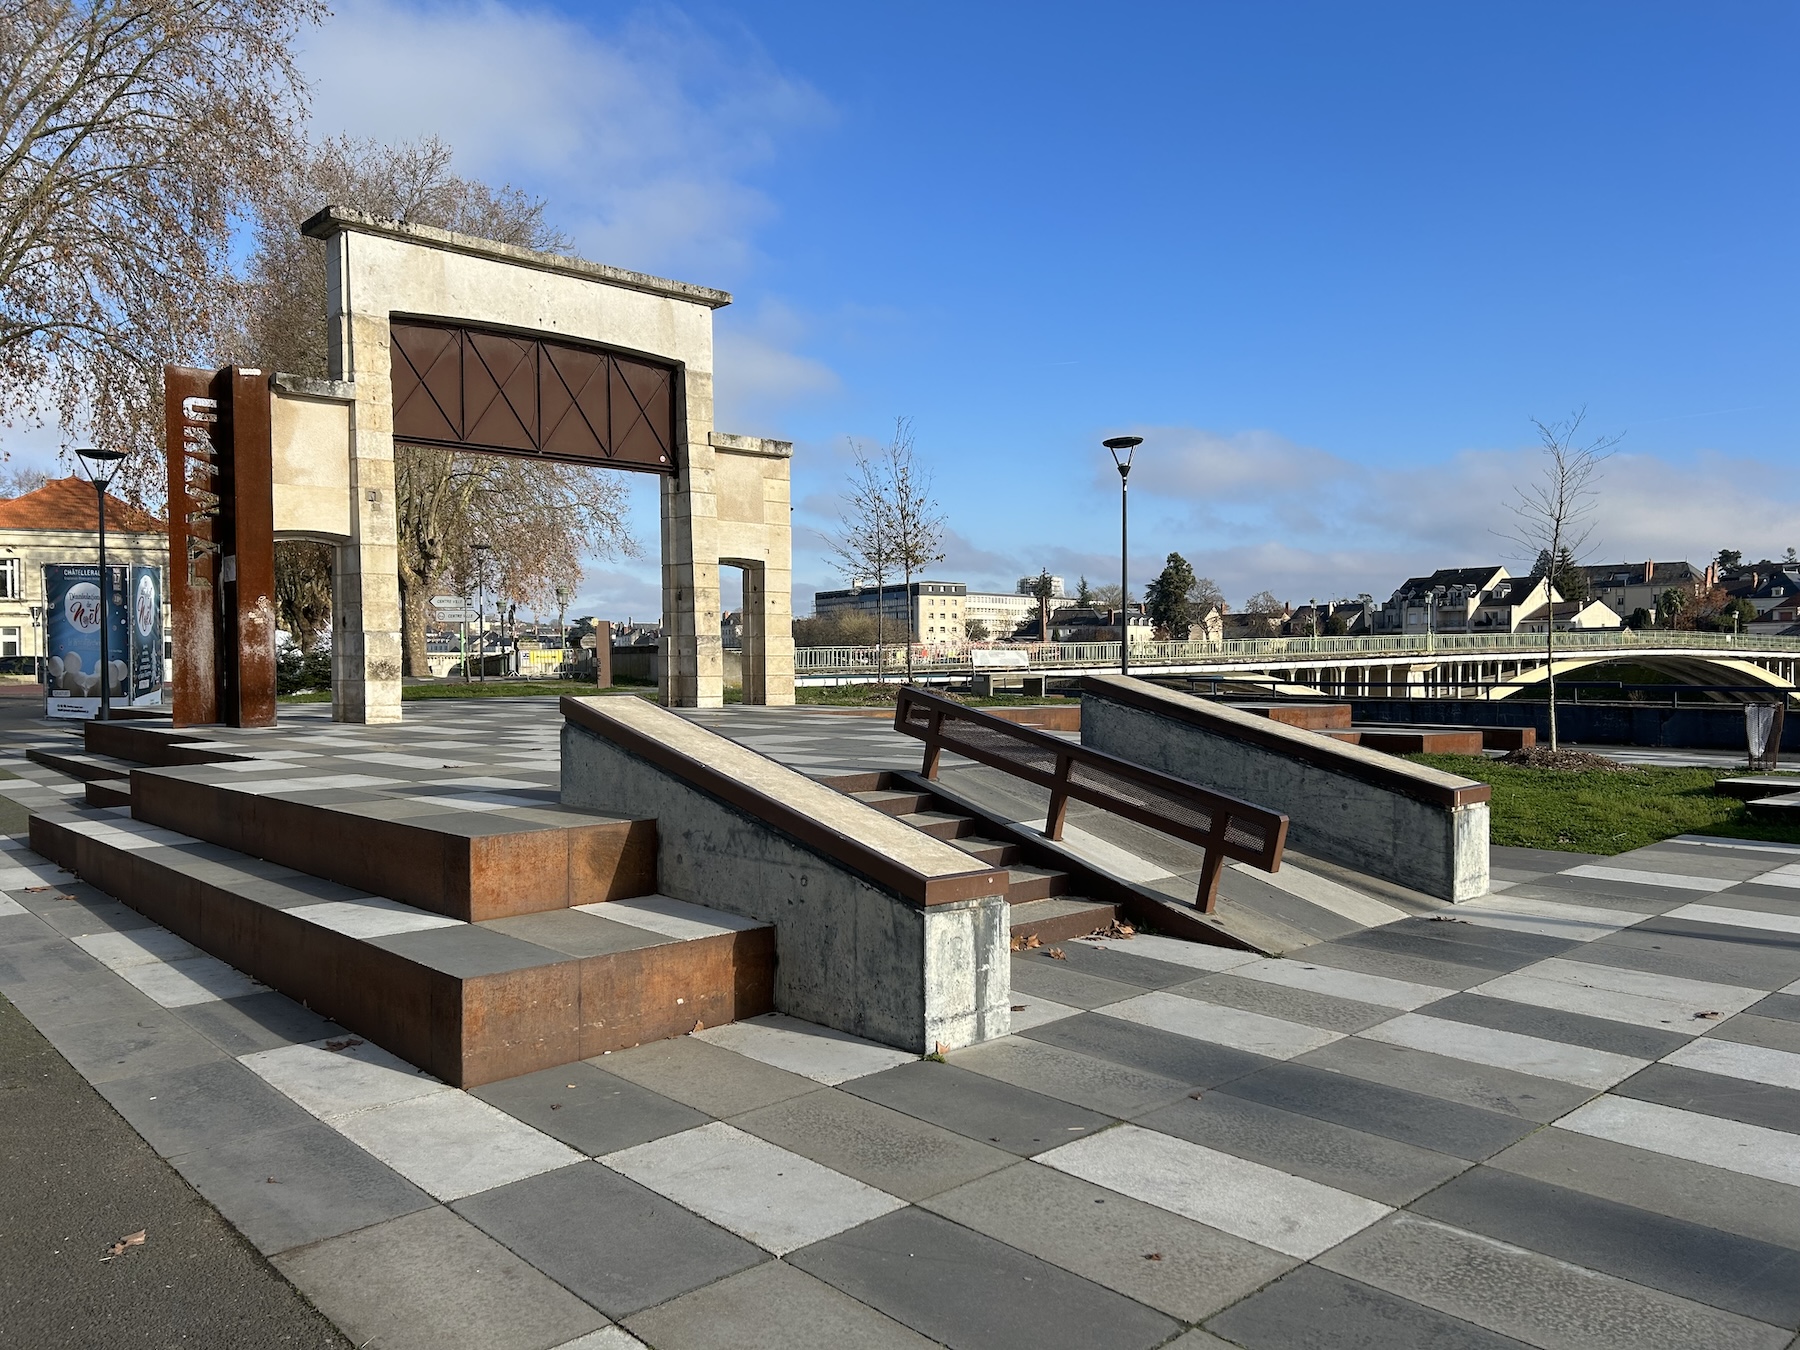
column 445, row 340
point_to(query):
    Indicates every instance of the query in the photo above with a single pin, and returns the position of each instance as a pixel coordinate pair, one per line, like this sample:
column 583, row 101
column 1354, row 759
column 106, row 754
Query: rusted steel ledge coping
column 894, row 856
column 1421, row 783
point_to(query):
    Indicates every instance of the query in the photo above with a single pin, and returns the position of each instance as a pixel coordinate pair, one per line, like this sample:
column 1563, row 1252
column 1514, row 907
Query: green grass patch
column 882, row 696
column 1606, row 811
column 413, row 693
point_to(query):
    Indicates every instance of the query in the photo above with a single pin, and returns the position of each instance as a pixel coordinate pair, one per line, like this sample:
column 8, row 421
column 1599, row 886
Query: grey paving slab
column 1073, row 988
column 1720, row 959
column 1098, row 1084
column 969, row 1291
column 1294, row 1005
column 1469, row 945
column 1779, row 946
column 706, row 1077
column 1111, row 963
column 1173, row 1264
column 200, row 1107
column 242, row 1026
column 432, row 1281
column 1450, row 1127
column 1740, row 1274
column 51, row 959
column 1164, row 1054
column 1748, row 1028
column 981, row 1108
column 288, row 1187
column 1314, row 1309
column 773, row 1306
column 588, row 1109
column 1553, row 1024
column 1455, row 1080
column 1336, row 1155
column 1711, row 1196
column 619, row 1246
column 1714, row 1094
column 1621, row 894
column 882, row 1147
column 92, row 915
column 1537, row 1299
column 152, row 1042
column 1536, row 861
column 1398, row 966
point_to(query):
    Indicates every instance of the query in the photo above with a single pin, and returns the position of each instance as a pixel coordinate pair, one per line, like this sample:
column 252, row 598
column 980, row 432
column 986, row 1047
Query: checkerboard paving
column 1565, row 1115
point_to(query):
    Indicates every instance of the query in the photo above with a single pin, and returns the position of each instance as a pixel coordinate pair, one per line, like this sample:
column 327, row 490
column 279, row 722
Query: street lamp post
column 102, row 467
column 1123, row 447
column 37, row 641
column 481, row 552
column 562, row 651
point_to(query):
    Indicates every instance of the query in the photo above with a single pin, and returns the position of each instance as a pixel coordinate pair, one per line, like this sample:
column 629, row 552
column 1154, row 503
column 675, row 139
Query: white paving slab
column 10, row 907
column 371, row 917
column 1520, row 913
column 1752, row 1150
column 1194, row 955
column 1759, row 1064
column 1672, row 880
column 1617, row 994
column 607, row 1338
column 136, row 947
column 332, row 1083
column 672, row 918
column 1506, row 1050
column 1738, row 918
column 761, row 1192
column 1029, row 1012
column 450, row 1144
column 812, row 1051
column 1296, row 973
column 1291, row 1214
column 1271, row 1036
column 182, row 984
column 1325, row 893
column 1752, row 846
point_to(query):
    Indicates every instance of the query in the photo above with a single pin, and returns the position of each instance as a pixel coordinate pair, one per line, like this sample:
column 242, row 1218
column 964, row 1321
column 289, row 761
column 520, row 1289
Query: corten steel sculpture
column 440, row 339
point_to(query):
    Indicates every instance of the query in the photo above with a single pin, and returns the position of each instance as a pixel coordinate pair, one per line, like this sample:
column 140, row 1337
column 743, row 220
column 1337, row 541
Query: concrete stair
column 83, row 765
column 109, row 792
column 1038, row 896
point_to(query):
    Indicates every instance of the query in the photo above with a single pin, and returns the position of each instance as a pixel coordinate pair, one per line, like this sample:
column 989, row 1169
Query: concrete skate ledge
column 1405, row 823
column 880, row 930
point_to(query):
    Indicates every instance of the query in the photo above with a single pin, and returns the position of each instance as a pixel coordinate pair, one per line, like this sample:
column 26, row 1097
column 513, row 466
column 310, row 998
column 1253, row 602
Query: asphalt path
column 74, row 1180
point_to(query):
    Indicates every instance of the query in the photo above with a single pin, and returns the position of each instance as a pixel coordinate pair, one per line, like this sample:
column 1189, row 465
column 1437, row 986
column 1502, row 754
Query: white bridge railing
column 931, row 659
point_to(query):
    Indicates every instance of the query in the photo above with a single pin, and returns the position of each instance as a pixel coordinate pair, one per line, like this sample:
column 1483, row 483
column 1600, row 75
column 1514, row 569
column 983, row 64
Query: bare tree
column 539, row 519
column 918, row 523
column 303, row 590
column 1205, row 594
column 133, row 133
column 1267, row 612
column 20, row 479
column 863, row 546
column 1554, row 516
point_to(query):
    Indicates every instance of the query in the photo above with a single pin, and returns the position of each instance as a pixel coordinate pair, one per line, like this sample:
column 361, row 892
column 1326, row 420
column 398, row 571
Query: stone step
column 81, row 764
column 1062, row 918
column 469, row 1002
column 896, row 803
column 450, row 846
column 1784, row 809
column 1749, row 787
column 1025, row 884
column 940, row 824
column 157, row 744
column 109, row 792
column 993, row 852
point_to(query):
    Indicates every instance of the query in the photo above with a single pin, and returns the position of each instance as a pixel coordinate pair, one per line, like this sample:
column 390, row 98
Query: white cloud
column 757, row 374
column 641, row 135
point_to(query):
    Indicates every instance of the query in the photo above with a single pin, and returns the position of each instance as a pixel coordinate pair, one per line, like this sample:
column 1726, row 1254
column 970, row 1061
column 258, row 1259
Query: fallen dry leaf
column 1018, row 1007
column 942, row 1049
column 33, row 890
column 348, row 1043
column 1152, row 1256
column 698, row 1026
column 1058, row 954
column 1443, row 918
column 136, row 1239
column 1706, row 1014
column 1032, row 941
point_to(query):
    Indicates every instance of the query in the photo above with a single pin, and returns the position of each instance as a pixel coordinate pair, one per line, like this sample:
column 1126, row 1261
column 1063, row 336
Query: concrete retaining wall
column 1720, row 727
column 1401, row 822
column 880, row 930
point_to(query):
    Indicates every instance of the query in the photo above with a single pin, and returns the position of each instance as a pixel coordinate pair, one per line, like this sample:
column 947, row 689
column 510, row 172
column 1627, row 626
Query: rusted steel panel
column 471, row 389
column 196, row 429
column 250, row 613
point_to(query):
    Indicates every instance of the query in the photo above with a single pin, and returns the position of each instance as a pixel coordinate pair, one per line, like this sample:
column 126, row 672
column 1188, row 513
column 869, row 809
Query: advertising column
column 72, row 636
column 146, row 636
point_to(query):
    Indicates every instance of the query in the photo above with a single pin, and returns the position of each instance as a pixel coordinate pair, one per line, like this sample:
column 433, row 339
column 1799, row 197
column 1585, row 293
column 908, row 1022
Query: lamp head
column 1123, row 447
column 101, row 466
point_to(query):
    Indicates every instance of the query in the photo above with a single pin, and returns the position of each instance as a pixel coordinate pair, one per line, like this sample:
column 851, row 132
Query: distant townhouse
column 1484, row 600
column 1626, row 587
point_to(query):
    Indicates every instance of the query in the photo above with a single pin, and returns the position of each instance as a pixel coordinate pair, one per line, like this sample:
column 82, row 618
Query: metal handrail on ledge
column 1223, row 826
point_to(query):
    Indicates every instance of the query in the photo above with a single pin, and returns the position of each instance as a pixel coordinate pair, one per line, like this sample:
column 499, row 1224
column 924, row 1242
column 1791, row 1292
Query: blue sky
column 1328, row 259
